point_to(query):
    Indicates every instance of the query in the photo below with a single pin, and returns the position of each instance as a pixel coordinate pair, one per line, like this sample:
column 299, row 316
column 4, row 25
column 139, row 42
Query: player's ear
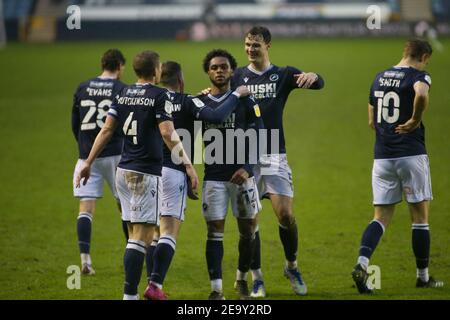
column 269, row 45
column 425, row 57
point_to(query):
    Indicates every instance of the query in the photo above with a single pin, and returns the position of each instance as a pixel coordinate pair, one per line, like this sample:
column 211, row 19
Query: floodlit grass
column 329, row 149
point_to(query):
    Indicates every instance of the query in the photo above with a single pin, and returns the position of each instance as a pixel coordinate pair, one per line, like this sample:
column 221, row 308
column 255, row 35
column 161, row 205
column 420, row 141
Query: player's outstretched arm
column 179, row 155
column 223, row 111
column 420, row 104
column 102, row 139
column 309, row 80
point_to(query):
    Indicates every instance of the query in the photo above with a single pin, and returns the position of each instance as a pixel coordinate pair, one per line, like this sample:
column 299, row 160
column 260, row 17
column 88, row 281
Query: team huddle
column 139, row 138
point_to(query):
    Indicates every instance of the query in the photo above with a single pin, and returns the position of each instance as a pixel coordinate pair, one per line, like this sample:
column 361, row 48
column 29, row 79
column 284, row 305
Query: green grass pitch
column 329, row 149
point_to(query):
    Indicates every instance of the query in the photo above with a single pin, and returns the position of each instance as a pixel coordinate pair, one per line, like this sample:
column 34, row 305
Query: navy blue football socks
column 133, row 262
column 289, row 239
column 214, row 255
column 84, row 228
column 421, row 244
column 246, row 250
column 369, row 241
column 162, row 258
column 149, row 258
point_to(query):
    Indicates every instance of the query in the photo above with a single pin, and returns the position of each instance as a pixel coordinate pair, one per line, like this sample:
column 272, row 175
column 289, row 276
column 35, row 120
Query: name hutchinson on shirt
column 137, row 101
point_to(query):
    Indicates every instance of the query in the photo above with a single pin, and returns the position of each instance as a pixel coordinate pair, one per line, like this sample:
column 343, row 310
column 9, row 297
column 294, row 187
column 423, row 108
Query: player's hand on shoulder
column 84, row 173
column 204, row 92
column 306, row 80
column 193, row 182
column 239, row 176
column 408, row 126
column 242, row 91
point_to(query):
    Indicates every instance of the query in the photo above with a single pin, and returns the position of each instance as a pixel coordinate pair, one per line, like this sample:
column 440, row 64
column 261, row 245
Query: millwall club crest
column 245, row 79
column 273, row 77
column 168, row 107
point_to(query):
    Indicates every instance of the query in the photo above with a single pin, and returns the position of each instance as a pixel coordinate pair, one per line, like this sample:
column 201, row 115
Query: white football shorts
column 244, row 199
column 101, row 169
column 140, row 196
column 173, row 202
column 393, row 177
column 274, row 176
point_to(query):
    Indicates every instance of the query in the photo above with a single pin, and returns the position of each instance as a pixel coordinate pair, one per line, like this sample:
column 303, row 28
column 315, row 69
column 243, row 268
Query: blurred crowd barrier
column 199, row 20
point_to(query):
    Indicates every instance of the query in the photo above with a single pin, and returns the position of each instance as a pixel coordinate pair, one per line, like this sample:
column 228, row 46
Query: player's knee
column 246, row 232
column 420, row 219
column 156, row 234
column 383, row 219
column 247, row 226
column 169, row 226
column 87, row 206
column 216, row 227
column 248, row 235
column 383, row 214
column 286, row 217
column 419, row 213
column 143, row 233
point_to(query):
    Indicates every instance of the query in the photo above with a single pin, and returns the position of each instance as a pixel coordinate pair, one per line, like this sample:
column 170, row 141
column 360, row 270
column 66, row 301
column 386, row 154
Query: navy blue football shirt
column 186, row 109
column 184, row 112
column 91, row 103
column 392, row 96
column 139, row 108
column 246, row 115
column 270, row 89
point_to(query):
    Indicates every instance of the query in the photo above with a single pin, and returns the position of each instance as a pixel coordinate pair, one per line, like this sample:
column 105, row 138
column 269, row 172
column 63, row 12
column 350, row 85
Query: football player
column 186, row 109
column 270, row 86
column 397, row 101
column 229, row 180
column 143, row 111
column 91, row 102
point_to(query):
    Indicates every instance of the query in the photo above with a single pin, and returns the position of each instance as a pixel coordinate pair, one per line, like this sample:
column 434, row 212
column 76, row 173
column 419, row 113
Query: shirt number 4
column 130, row 127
